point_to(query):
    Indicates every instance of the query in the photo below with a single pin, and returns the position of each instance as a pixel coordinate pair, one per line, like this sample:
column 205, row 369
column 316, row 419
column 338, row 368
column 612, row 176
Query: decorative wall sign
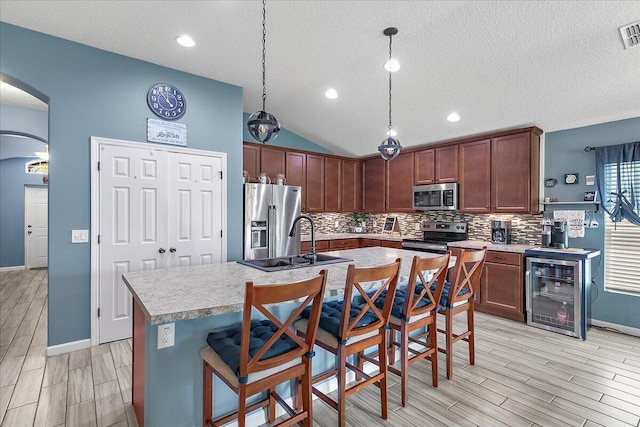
column 550, row 182
column 590, row 180
column 589, row 196
column 571, row 178
column 166, row 132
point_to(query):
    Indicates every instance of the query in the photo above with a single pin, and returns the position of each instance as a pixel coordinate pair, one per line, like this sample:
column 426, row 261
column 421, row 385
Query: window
column 621, row 239
column 37, row 166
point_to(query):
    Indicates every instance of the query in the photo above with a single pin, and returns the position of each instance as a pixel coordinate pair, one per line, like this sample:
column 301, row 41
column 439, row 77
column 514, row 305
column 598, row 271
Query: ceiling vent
column 630, row 35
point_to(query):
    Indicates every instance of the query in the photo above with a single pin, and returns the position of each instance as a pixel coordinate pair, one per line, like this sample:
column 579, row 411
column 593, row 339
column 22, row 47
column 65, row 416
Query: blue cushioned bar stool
column 459, row 297
column 348, row 328
column 257, row 355
column 414, row 308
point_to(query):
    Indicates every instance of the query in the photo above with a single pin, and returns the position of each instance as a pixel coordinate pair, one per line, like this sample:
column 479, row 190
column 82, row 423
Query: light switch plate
column 79, row 236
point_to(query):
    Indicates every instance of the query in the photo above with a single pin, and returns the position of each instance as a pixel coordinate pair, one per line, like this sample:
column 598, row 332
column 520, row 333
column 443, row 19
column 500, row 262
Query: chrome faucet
column 311, row 256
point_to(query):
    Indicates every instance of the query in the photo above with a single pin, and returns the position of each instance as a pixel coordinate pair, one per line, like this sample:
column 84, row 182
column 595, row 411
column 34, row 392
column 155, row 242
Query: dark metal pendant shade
column 390, row 148
column 263, row 126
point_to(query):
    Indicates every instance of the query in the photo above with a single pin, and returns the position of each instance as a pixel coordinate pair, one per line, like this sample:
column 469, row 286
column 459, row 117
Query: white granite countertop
column 333, row 236
column 478, row 244
column 183, row 293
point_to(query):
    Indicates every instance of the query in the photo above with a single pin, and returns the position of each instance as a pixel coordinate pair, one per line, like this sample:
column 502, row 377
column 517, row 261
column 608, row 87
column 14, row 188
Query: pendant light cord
column 390, row 39
column 264, row 54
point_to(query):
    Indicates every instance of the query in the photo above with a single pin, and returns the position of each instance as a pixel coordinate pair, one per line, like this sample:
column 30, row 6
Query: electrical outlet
column 337, row 224
column 375, row 224
column 166, row 335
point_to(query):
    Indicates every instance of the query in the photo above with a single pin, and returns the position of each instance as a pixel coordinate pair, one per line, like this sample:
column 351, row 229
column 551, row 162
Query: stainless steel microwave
column 436, row 197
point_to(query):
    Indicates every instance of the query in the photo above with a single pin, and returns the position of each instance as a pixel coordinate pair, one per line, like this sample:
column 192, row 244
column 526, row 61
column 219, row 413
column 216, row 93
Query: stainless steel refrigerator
column 269, row 212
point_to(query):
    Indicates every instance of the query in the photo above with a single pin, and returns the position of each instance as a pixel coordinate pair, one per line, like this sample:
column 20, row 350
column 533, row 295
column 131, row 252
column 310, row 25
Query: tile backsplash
column 525, row 229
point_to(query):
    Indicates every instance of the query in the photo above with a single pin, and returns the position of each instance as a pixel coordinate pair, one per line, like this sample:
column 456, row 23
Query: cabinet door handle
column 500, row 257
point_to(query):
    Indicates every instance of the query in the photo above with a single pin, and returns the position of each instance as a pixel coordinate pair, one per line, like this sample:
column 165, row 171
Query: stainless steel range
column 436, row 235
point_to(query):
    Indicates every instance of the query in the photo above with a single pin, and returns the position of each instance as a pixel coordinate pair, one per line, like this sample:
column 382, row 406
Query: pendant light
column 262, row 125
column 390, row 147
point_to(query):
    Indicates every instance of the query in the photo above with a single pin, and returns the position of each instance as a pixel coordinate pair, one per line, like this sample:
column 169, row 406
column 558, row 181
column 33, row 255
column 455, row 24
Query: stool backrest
column 413, row 299
column 304, row 292
column 466, row 275
column 388, row 275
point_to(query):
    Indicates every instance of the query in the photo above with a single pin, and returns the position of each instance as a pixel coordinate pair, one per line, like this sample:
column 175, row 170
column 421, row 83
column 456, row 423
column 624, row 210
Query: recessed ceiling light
column 392, row 65
column 392, row 132
column 185, row 40
column 453, row 117
column 331, row 94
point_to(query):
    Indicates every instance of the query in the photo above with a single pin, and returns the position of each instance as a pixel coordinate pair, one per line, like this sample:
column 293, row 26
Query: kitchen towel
column 575, row 221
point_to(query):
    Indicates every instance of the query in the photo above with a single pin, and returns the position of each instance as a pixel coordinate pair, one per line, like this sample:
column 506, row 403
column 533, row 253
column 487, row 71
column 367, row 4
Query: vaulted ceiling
column 499, row 64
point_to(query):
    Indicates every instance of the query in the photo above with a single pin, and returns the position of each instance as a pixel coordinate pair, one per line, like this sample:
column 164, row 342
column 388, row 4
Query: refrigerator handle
column 527, row 283
column 271, row 232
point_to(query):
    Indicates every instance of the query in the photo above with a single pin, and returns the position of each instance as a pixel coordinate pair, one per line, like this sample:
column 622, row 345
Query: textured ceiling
column 499, row 64
column 11, row 95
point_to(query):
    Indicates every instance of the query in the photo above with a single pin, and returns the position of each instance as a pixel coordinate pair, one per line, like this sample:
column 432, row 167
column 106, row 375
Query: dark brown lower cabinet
column 391, row 244
column 368, row 243
column 502, row 286
column 338, row 244
column 321, row 246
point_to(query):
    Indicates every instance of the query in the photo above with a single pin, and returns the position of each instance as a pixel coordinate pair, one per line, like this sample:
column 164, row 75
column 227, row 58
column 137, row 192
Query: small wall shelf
column 596, row 204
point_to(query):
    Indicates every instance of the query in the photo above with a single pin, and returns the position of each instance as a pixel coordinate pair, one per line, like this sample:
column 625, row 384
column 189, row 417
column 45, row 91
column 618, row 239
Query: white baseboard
column 68, row 347
column 624, row 329
column 12, row 268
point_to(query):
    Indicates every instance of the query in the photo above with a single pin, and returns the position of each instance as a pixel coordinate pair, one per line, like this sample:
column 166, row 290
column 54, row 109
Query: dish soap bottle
column 562, row 314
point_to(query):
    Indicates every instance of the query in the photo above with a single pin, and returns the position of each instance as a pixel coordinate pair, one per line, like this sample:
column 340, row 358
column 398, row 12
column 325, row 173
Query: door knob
column 162, row 250
column 172, row 250
column 28, row 226
column 29, row 232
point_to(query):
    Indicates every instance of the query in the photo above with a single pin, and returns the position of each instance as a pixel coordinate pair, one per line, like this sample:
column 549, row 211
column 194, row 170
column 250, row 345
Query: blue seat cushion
column 331, row 316
column 398, row 301
column 226, row 342
column 445, row 293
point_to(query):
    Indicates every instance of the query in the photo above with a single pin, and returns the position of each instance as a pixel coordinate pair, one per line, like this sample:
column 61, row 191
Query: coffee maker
column 560, row 235
column 501, row 231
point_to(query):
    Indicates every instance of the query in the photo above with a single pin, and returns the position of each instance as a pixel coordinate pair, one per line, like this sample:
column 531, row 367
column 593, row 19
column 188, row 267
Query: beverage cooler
column 557, row 295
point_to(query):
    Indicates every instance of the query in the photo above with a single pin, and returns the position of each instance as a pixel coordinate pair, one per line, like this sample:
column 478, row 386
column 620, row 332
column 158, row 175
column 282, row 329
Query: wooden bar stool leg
column 207, row 395
column 359, row 363
column 342, row 380
column 472, row 349
column 382, row 359
column 404, row 360
column 392, row 348
column 449, row 346
column 306, row 397
column 433, row 340
column 242, row 405
column 271, row 414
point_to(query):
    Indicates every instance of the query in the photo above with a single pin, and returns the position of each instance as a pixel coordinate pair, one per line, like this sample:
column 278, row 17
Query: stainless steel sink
column 293, row 261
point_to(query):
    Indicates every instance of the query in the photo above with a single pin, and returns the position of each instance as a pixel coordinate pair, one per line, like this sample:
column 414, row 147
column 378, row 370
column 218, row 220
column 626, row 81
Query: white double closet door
column 157, row 209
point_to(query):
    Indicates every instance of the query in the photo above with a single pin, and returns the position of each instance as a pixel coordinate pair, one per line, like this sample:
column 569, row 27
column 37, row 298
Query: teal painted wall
column 24, row 120
column 97, row 93
column 564, row 153
column 285, row 139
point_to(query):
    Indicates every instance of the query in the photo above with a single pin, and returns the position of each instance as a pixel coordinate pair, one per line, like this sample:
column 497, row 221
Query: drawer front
column 343, row 244
column 504, row 258
column 367, row 243
column 321, row 246
column 391, row 244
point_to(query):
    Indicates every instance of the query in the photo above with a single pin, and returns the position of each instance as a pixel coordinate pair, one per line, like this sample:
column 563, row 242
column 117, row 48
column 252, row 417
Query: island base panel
column 138, row 371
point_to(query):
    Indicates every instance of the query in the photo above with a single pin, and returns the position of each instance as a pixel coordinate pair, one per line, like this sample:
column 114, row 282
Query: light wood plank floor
column 522, row 377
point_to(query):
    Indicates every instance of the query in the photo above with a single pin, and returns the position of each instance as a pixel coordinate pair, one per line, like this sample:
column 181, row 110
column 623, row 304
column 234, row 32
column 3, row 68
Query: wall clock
column 166, row 101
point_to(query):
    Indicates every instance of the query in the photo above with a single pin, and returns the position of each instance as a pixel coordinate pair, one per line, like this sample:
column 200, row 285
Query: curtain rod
column 588, row 149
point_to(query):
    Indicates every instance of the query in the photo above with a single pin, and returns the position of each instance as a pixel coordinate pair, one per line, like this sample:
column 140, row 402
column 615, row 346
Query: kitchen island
column 167, row 383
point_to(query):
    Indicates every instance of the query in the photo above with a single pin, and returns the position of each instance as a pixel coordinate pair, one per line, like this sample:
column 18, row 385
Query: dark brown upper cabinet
column 399, row 186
